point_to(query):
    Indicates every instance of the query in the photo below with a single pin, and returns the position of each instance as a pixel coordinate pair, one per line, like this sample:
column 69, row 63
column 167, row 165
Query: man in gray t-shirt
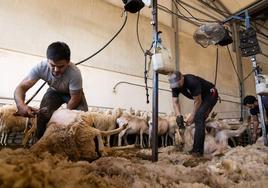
column 65, row 86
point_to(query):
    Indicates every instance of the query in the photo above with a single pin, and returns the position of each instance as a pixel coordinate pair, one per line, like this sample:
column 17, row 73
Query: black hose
column 217, row 63
column 117, row 33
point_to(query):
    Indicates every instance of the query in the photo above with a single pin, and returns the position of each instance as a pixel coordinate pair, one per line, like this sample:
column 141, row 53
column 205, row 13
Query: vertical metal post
column 254, row 64
column 176, row 35
column 239, row 68
column 155, row 87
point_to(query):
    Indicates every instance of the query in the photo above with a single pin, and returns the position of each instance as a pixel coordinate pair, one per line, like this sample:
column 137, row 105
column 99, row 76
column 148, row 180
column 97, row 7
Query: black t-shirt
column 256, row 111
column 193, row 86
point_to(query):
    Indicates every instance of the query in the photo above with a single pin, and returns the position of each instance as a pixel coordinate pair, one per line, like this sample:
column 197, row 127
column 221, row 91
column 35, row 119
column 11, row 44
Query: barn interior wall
column 86, row 25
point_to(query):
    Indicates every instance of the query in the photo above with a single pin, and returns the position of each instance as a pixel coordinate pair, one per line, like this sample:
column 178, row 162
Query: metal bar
column 239, row 66
column 155, row 88
column 254, row 63
column 134, row 84
column 251, row 9
column 176, row 35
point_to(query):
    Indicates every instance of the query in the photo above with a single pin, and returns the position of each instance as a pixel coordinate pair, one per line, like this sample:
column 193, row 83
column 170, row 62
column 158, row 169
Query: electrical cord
column 116, row 34
column 248, row 75
column 86, row 59
column 137, row 32
column 165, row 9
column 192, row 16
column 232, row 61
column 146, row 53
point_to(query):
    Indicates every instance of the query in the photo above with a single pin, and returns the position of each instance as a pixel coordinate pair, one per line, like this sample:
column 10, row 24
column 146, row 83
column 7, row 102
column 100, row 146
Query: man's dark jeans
column 52, row 100
column 200, row 117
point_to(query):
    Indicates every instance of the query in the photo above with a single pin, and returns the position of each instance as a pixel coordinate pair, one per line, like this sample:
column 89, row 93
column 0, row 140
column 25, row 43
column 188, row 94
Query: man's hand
column 180, row 122
column 26, row 111
column 190, row 119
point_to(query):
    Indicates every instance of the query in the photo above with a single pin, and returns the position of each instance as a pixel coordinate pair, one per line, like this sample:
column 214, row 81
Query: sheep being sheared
column 213, row 144
column 70, row 133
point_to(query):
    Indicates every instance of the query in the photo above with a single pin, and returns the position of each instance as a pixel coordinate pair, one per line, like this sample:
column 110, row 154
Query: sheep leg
column 150, row 139
column 27, row 135
column 141, row 139
column 5, row 138
column 145, row 142
column 136, row 139
column 166, row 139
column 101, row 146
column 173, row 140
column 13, row 139
column 2, row 138
column 162, row 141
column 125, row 139
column 120, row 135
column 108, row 141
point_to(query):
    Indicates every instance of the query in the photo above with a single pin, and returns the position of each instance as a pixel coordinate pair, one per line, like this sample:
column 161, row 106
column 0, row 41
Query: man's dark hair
column 58, row 51
column 249, row 99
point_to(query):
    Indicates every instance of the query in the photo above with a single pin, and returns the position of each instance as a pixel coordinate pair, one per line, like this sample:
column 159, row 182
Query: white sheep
column 106, row 122
column 136, row 125
column 173, row 127
column 162, row 131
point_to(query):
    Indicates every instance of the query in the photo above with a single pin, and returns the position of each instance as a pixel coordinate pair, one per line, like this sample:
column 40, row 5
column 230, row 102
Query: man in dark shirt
column 252, row 103
column 205, row 97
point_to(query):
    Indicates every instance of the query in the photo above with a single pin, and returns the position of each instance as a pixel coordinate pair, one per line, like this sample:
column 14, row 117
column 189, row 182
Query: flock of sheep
column 74, row 133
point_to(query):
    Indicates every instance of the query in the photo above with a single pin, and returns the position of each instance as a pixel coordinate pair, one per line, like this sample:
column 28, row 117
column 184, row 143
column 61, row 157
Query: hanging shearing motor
column 212, row 33
column 162, row 60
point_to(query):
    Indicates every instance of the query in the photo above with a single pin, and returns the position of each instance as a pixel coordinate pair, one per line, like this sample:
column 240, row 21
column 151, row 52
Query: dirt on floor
column 243, row 167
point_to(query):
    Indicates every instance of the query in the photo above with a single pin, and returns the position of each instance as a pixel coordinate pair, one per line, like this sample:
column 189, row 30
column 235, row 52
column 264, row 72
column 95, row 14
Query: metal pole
column 176, row 35
column 239, row 68
column 254, row 64
column 155, row 87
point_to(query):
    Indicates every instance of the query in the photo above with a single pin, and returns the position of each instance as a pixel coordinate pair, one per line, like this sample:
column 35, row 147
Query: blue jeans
column 52, row 100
